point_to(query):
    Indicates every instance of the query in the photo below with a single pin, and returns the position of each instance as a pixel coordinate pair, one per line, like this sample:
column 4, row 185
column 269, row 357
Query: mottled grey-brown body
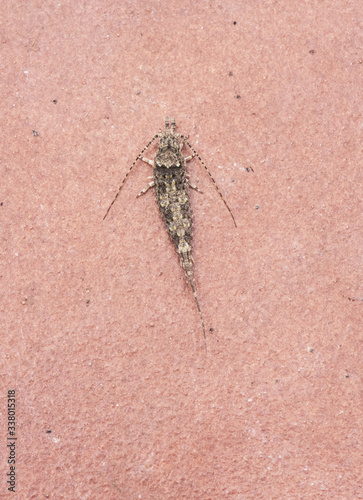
column 171, row 187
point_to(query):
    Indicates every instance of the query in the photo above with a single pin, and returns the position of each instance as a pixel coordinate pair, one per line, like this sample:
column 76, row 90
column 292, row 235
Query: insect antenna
column 126, row 176
column 210, row 175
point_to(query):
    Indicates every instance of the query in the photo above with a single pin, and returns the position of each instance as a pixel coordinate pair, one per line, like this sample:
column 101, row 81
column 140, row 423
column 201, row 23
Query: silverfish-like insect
column 171, row 186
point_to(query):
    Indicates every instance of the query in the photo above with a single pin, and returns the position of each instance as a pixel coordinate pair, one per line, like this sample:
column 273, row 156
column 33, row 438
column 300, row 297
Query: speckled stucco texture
column 100, row 337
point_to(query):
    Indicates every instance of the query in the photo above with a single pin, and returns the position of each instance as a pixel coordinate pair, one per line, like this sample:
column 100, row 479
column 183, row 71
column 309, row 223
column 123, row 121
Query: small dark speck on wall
column 312, row 51
column 234, row 22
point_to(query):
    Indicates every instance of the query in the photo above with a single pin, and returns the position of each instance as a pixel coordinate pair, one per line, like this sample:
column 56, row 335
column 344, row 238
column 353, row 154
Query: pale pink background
column 100, row 337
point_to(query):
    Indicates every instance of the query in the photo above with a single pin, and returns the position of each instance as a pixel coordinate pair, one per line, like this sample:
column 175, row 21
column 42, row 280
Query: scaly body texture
column 171, row 187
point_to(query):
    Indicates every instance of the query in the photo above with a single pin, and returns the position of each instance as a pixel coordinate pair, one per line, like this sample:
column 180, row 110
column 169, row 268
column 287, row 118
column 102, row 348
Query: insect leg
column 210, row 175
column 126, row 176
column 172, row 125
column 188, row 158
column 150, row 185
column 196, row 188
column 146, row 160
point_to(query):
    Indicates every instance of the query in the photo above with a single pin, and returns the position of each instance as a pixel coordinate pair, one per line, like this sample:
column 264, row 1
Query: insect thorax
column 169, row 157
column 169, row 171
column 172, row 191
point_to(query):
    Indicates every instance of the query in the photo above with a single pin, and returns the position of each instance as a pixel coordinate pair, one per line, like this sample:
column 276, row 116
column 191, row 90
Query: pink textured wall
column 100, row 337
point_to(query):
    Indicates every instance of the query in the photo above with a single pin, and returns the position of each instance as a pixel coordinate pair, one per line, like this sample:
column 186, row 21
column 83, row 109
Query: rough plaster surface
column 100, row 336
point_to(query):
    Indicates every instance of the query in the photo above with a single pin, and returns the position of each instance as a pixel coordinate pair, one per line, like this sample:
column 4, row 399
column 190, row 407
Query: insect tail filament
column 186, row 263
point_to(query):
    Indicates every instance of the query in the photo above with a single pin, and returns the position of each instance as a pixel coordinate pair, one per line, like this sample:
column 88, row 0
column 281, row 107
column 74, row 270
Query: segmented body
column 171, row 187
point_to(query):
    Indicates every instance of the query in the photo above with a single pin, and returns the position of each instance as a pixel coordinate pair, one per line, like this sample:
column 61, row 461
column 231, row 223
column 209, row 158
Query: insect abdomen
column 173, row 200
